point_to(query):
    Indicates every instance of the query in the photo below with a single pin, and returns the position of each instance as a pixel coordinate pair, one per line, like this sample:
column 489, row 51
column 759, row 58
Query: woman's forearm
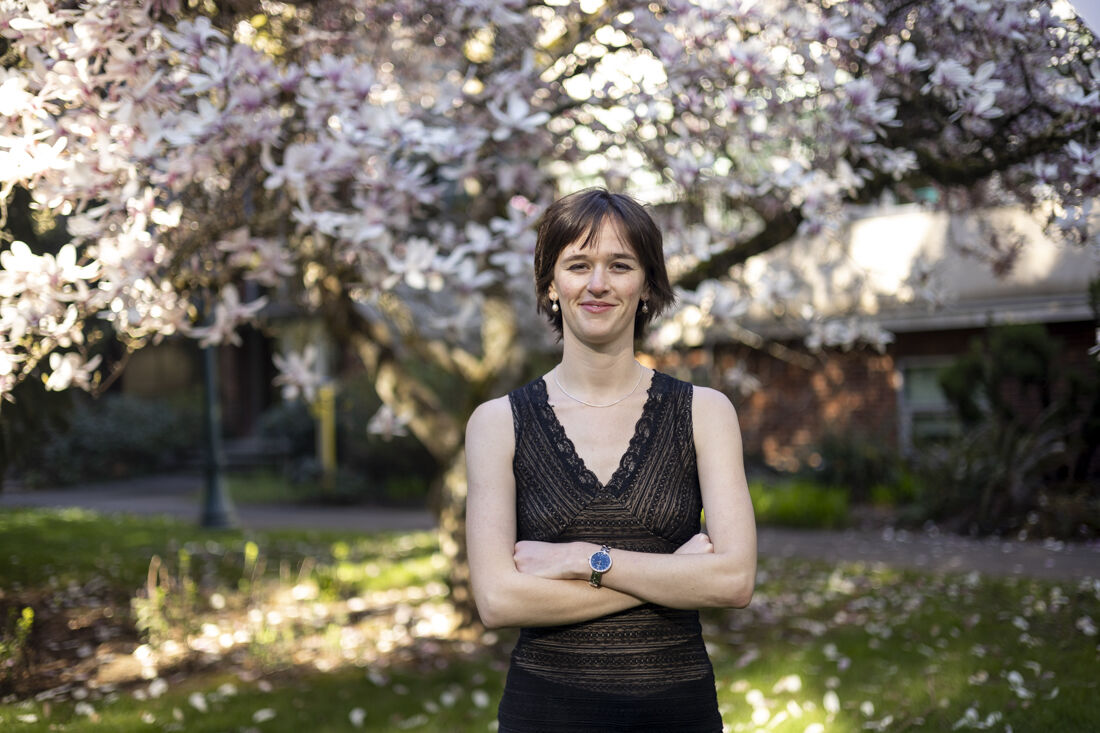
column 678, row 580
column 721, row 580
column 518, row 599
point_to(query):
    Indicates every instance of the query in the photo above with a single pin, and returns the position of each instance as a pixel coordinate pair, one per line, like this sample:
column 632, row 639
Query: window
column 923, row 410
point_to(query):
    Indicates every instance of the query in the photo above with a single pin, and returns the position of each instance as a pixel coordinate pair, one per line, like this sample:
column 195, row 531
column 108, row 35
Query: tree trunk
column 452, row 540
column 441, row 432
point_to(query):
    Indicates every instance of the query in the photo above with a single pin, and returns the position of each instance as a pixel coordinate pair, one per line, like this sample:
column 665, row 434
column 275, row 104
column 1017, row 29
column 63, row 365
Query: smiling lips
column 596, row 306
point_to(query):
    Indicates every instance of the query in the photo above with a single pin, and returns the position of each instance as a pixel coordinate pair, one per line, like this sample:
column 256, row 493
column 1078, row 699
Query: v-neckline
column 568, row 449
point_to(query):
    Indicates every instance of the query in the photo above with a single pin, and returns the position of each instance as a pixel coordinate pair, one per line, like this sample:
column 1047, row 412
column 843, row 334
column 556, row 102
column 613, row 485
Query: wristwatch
column 600, row 562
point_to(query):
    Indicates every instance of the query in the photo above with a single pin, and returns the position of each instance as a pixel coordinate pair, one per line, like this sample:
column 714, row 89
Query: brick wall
column 852, row 392
column 795, row 406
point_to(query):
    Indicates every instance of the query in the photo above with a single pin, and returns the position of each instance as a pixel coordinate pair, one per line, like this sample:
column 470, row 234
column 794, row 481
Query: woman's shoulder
column 491, row 414
column 712, row 412
column 490, row 425
column 709, row 398
column 489, row 437
column 704, row 398
column 707, row 404
column 496, row 416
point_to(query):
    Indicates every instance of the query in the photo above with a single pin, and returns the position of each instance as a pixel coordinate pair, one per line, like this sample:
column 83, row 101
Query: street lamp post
column 217, row 509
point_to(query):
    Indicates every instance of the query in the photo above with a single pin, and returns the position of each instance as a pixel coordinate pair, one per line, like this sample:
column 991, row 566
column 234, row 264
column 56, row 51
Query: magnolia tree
column 380, row 164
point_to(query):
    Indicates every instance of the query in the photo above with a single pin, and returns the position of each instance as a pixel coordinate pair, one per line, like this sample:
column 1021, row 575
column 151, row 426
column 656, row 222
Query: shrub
column 14, row 637
column 1031, row 438
column 903, row 491
column 799, row 503
column 292, row 425
column 32, row 417
column 988, row 479
column 380, row 460
column 856, row 462
column 112, row 437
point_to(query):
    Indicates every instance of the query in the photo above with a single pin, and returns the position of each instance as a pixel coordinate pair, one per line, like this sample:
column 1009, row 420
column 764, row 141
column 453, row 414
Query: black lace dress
column 644, row 669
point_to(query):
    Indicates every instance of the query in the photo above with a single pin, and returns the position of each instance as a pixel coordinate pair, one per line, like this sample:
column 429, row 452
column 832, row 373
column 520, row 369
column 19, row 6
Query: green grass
column 431, row 700
column 913, row 650
column 267, row 487
column 847, row 648
column 50, row 549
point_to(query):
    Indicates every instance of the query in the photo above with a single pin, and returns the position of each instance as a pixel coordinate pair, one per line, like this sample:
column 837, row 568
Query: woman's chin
column 602, row 336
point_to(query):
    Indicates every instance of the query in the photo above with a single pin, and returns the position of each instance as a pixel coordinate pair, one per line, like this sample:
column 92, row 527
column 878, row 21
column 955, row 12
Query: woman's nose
column 597, row 283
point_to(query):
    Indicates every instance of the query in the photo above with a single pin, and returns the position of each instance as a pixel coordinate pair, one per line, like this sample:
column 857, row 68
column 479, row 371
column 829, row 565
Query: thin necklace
column 593, row 404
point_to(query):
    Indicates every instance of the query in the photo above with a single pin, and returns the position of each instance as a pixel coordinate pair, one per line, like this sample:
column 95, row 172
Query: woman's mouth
column 596, row 306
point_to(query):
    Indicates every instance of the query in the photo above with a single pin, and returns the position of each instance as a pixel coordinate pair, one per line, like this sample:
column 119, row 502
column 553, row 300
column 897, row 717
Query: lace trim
column 628, row 462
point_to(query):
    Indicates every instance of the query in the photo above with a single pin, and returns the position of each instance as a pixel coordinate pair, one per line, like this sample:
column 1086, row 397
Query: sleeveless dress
column 643, row 669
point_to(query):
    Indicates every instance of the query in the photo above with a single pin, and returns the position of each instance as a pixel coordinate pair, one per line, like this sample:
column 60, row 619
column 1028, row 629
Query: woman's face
column 598, row 288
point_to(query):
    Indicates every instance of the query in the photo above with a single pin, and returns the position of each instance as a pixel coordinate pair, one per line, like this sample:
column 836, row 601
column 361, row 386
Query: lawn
column 143, row 624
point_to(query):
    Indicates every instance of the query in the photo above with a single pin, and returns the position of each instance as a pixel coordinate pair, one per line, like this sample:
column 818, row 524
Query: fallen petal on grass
column 198, row 701
column 263, row 715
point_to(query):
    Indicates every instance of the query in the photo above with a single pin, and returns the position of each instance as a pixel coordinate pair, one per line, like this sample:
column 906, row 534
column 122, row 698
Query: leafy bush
column 991, row 476
column 113, row 437
column 1071, row 514
column 28, row 422
column 14, row 635
column 856, row 462
column 1032, row 439
column 291, row 424
column 799, row 503
column 1015, row 361
column 903, row 491
column 380, row 460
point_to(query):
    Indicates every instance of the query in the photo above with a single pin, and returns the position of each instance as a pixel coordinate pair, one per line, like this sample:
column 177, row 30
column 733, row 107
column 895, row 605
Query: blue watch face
column 600, row 562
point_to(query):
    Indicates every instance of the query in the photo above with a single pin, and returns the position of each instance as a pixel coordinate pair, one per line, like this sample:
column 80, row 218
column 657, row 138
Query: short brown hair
column 579, row 216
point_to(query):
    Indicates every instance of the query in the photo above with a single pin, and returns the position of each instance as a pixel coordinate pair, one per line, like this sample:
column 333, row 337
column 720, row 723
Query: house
column 934, row 280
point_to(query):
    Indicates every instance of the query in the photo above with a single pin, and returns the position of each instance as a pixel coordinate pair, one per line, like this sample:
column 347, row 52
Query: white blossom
column 298, row 374
column 140, row 131
column 387, row 423
column 70, row 369
column 229, row 313
column 516, row 116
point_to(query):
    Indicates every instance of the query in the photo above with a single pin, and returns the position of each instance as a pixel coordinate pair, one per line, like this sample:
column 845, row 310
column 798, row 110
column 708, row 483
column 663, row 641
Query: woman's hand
column 698, row 545
column 557, row 560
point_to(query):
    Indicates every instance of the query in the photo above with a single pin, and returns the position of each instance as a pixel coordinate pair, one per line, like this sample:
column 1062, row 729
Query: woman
column 585, row 491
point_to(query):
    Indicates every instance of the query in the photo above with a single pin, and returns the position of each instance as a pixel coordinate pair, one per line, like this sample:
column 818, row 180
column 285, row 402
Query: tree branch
column 776, row 230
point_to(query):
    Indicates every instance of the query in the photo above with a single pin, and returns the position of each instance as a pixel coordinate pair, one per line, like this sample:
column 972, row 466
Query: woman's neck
column 596, row 373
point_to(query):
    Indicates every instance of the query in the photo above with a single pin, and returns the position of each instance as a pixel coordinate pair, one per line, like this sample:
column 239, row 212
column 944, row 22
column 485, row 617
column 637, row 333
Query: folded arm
column 721, row 577
column 505, row 596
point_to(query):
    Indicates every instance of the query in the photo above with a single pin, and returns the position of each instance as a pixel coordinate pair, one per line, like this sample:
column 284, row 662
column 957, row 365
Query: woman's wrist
column 584, row 569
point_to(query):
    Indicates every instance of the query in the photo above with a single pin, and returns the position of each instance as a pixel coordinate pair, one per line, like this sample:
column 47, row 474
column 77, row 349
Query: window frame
column 907, row 411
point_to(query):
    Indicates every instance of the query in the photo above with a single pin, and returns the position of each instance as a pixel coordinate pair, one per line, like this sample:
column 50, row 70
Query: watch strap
column 596, row 578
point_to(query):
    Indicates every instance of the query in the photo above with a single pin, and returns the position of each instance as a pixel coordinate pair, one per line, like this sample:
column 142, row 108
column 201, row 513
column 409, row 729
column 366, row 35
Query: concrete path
column 1053, row 560
column 179, row 496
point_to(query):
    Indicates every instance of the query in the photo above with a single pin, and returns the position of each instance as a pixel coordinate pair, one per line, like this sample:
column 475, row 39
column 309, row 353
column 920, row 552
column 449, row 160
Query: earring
column 554, row 305
column 645, row 307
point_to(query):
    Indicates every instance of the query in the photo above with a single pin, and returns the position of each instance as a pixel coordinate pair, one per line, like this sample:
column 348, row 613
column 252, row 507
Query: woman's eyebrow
column 584, row 256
